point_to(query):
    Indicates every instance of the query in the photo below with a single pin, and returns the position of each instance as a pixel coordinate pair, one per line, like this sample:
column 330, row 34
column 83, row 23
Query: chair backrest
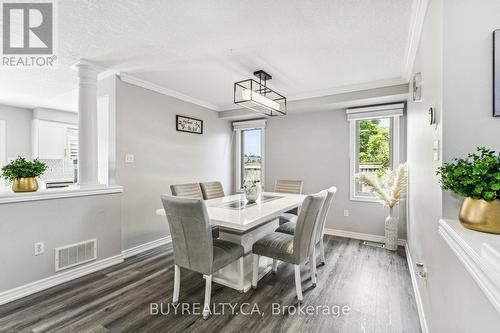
column 307, row 222
column 288, row 186
column 187, row 190
column 212, row 190
column 191, row 233
column 324, row 212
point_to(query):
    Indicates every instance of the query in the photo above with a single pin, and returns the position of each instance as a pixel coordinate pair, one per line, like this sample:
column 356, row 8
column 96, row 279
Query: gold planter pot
column 481, row 215
column 25, row 185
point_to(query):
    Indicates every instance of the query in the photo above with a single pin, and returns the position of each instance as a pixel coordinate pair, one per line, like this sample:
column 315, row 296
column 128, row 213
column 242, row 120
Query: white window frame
column 394, row 111
column 238, row 127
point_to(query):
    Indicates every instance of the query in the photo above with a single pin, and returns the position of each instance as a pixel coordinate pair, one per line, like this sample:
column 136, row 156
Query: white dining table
column 244, row 223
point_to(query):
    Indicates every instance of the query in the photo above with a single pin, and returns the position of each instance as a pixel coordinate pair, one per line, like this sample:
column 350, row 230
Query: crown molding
column 127, row 78
column 416, row 25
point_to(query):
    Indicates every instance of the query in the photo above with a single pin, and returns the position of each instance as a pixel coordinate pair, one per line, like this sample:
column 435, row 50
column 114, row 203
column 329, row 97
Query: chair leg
column 312, row 265
column 242, row 275
column 322, row 252
column 208, row 292
column 177, row 284
column 255, row 270
column 298, row 283
column 275, row 266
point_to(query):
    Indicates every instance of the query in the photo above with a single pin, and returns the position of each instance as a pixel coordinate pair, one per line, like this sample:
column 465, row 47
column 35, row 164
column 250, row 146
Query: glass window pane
column 373, row 147
column 251, row 155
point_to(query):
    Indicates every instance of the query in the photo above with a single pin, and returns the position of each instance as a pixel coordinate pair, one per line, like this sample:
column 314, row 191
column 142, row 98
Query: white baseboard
column 416, row 291
column 51, row 281
column 360, row 236
column 146, row 246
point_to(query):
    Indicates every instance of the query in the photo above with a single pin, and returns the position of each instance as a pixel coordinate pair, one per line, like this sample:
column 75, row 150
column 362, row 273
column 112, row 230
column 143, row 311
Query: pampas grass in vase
column 390, row 188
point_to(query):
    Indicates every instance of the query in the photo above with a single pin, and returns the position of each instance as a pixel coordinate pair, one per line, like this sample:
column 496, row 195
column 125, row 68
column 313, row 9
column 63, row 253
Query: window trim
column 394, row 111
column 238, row 127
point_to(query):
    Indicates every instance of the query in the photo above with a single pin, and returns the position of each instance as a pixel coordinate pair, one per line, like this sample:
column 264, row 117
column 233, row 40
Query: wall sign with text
column 188, row 124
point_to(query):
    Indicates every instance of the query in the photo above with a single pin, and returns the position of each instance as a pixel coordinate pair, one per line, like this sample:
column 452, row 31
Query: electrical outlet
column 346, row 212
column 39, row 248
column 129, row 158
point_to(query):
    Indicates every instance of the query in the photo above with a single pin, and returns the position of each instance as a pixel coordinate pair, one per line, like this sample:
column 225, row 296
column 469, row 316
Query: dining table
column 244, row 222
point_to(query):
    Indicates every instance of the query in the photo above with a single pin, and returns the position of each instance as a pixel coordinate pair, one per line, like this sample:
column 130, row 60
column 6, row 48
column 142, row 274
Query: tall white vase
column 391, row 231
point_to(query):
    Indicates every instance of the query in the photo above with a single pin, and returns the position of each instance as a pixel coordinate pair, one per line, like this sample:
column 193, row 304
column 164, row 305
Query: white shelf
column 480, row 254
column 7, row 196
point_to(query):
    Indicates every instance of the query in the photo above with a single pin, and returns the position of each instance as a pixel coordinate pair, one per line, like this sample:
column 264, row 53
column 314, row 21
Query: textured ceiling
column 200, row 48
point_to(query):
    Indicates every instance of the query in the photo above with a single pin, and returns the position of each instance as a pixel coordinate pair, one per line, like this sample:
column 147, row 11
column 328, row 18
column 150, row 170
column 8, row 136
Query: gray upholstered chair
column 289, row 227
column 194, row 248
column 288, row 186
column 192, row 191
column 295, row 249
column 187, row 190
column 212, row 190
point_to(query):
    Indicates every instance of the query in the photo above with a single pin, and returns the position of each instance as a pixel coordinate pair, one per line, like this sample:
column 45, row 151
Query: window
column 249, row 151
column 374, row 144
column 251, row 156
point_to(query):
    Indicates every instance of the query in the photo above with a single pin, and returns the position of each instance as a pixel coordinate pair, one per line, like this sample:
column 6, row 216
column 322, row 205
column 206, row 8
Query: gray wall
column 56, row 222
column 18, row 127
column 451, row 299
column 467, row 82
column 145, row 127
column 314, row 147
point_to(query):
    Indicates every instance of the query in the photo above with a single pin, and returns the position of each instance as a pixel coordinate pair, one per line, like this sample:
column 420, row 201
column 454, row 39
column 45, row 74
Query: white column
column 87, row 123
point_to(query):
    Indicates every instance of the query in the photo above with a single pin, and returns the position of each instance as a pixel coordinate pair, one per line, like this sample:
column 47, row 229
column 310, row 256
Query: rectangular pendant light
column 257, row 96
column 249, row 95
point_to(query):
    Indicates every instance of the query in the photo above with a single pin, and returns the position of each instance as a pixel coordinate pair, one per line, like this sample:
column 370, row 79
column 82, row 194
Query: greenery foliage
column 373, row 143
column 477, row 176
column 21, row 168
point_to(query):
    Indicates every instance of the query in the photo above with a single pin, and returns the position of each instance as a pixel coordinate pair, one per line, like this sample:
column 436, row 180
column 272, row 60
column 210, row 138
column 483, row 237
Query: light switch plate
column 129, row 158
column 346, row 212
column 435, row 150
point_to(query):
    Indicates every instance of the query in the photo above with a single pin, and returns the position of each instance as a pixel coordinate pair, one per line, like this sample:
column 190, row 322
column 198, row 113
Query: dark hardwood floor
column 374, row 283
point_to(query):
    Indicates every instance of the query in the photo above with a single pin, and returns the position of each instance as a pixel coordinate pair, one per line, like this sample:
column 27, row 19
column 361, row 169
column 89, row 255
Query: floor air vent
column 374, row 244
column 76, row 254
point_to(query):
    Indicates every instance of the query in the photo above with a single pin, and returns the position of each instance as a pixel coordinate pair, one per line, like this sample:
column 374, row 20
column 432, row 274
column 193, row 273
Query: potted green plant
column 477, row 179
column 23, row 173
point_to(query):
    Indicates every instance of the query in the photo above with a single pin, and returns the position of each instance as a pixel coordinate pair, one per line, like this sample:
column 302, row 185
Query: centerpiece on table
column 477, row 179
column 23, row 173
column 390, row 188
column 252, row 189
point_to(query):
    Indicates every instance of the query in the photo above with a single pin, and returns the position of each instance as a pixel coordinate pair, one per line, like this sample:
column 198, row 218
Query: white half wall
column 56, row 222
column 145, row 127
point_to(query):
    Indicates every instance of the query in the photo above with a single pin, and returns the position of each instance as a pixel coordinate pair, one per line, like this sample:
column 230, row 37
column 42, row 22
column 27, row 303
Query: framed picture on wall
column 496, row 73
column 189, row 125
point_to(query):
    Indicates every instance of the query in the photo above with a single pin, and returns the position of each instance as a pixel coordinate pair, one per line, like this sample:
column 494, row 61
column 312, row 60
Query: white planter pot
column 391, row 231
column 252, row 195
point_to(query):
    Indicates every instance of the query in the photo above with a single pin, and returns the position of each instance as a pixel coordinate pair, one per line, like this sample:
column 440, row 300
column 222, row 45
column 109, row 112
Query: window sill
column 365, row 199
column 479, row 253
